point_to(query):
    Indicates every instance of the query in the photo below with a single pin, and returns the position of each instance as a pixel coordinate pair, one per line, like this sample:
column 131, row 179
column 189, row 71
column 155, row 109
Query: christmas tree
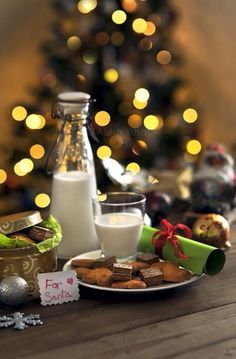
column 122, row 53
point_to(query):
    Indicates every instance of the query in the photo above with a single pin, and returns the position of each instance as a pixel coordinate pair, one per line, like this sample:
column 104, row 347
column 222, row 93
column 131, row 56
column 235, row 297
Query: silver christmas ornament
column 19, row 321
column 14, row 290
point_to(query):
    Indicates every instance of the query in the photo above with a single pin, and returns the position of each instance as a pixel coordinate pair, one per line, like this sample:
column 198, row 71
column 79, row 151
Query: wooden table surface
column 196, row 321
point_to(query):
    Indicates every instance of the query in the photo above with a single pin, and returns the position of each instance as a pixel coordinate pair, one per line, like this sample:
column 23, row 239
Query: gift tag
column 58, row 287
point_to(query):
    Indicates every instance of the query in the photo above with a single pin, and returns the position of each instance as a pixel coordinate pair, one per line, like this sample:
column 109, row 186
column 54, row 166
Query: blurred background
column 162, row 71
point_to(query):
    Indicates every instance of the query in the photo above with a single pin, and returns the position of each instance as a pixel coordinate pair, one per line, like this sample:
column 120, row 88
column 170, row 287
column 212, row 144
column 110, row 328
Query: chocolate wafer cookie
column 148, row 258
column 39, row 234
column 122, row 271
column 151, row 276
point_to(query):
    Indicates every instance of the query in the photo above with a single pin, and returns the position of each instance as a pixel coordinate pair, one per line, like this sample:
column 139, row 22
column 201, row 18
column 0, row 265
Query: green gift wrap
column 202, row 258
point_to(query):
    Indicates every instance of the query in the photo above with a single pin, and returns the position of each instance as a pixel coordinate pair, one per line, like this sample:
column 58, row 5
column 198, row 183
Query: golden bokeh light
column 117, row 38
column 145, row 44
column 102, row 118
column 150, row 29
column 102, row 38
column 140, row 105
column 3, row 176
column 73, row 43
column 119, row 17
column 164, row 57
column 19, row 113
column 111, row 75
column 23, row 167
column 142, row 94
column 85, row 6
column 37, row 151
column 42, row 200
column 135, row 121
column 129, row 5
column 193, row 147
column 26, row 165
column 151, row 122
column 102, row 197
column 49, row 79
column 35, row 122
column 139, row 25
column 104, row 152
column 18, row 170
column 81, row 78
column 116, row 141
column 89, row 57
column 133, row 167
column 139, row 147
column 190, row 115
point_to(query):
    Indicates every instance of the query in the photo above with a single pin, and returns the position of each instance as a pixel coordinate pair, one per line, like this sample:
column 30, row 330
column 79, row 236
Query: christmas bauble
column 213, row 188
column 13, row 290
column 212, row 229
column 158, row 205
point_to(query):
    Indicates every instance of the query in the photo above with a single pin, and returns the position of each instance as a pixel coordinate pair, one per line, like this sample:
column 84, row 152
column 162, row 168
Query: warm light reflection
column 42, row 200
column 151, row 122
column 85, row 6
column 89, row 57
column 119, row 17
column 111, row 75
column 35, row 122
column 19, row 113
column 145, row 44
column 150, row 29
column 3, row 176
column 139, row 104
column 129, row 5
column 139, row 147
column 164, row 57
column 135, row 121
column 142, row 94
column 37, row 151
column 133, row 167
column 102, row 118
column 23, row 167
column 104, row 152
column 193, row 147
column 74, row 43
column 18, row 170
column 139, row 25
column 190, row 115
column 81, row 77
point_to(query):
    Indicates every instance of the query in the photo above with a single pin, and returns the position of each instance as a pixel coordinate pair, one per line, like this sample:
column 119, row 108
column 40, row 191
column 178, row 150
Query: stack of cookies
column 146, row 271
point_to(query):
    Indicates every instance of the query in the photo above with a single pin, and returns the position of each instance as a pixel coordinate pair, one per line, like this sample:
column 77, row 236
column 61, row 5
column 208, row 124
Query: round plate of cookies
column 146, row 274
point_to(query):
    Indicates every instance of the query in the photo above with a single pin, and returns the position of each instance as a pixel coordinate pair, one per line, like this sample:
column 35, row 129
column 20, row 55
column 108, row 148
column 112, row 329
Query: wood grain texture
column 194, row 321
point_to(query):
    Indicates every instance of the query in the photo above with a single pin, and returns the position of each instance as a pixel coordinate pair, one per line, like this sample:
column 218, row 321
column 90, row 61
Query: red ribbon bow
column 168, row 234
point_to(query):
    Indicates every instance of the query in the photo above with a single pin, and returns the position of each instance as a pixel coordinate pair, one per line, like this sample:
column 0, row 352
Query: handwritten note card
column 58, row 287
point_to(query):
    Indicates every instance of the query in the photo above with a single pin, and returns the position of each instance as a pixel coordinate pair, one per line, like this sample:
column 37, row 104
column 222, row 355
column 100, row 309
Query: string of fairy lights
column 141, row 96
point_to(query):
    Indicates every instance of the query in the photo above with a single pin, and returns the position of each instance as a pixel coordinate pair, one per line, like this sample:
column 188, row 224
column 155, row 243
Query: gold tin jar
column 26, row 262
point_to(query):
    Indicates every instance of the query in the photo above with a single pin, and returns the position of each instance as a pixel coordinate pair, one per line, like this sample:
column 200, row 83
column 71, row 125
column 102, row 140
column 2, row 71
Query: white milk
column 119, row 233
column 71, row 204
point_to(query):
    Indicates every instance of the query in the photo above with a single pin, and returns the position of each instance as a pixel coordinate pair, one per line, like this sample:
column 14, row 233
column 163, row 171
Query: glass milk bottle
column 74, row 181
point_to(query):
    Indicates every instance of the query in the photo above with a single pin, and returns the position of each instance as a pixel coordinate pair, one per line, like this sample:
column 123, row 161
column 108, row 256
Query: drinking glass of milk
column 118, row 219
